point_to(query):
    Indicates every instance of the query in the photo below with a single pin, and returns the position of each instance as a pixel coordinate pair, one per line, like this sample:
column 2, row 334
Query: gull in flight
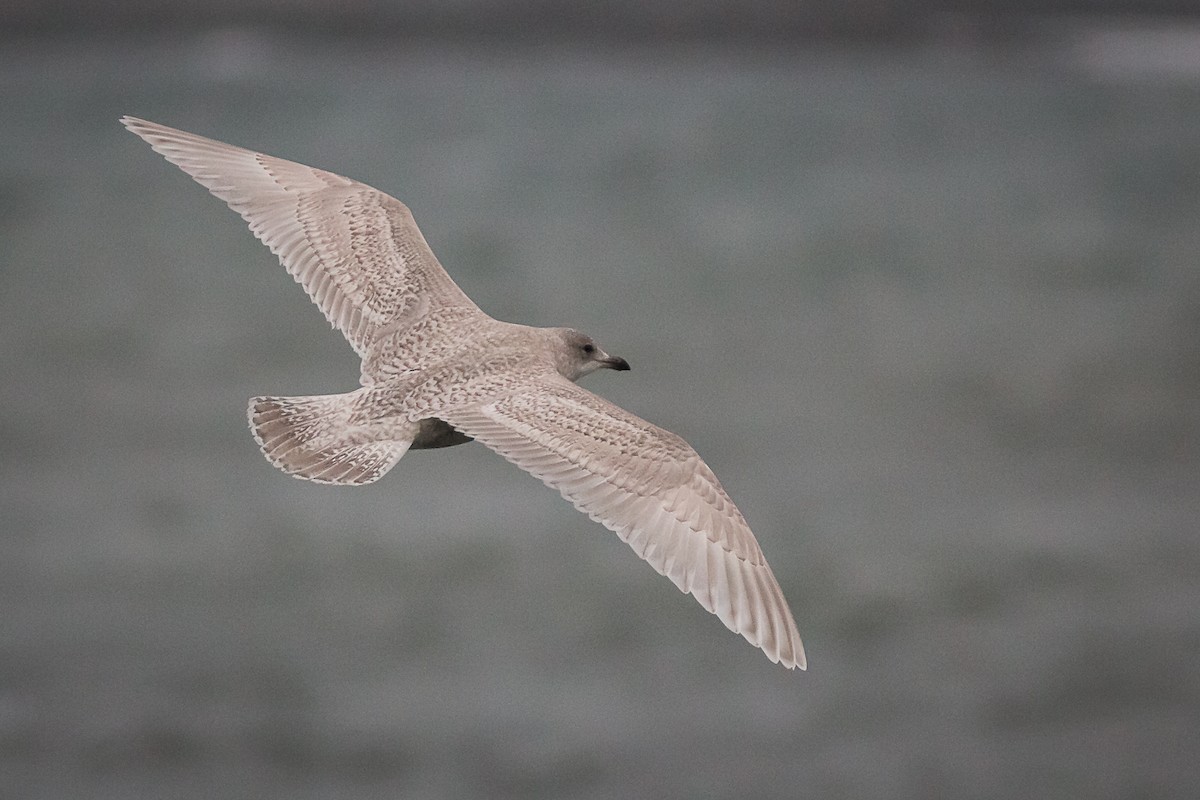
column 437, row 371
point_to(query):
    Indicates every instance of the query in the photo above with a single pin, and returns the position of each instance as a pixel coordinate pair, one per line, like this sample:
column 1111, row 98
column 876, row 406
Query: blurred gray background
column 918, row 280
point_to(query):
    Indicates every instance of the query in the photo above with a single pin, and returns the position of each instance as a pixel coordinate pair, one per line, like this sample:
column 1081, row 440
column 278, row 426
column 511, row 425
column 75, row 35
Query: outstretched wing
column 355, row 250
column 651, row 488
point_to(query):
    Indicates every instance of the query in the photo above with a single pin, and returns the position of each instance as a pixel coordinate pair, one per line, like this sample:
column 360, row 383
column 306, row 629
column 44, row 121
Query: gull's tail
column 328, row 438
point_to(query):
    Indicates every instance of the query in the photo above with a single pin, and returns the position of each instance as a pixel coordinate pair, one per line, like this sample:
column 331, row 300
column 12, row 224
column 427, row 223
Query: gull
column 437, row 371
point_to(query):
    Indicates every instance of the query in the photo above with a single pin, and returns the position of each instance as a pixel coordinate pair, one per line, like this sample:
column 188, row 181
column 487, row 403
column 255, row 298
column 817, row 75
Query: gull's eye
column 589, row 348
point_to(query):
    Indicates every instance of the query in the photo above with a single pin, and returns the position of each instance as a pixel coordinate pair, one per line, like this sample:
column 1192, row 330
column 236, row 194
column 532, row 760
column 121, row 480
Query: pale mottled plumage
column 437, row 371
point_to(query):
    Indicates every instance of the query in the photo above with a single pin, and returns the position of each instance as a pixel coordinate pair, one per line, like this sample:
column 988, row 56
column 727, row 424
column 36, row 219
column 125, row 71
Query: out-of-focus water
column 932, row 314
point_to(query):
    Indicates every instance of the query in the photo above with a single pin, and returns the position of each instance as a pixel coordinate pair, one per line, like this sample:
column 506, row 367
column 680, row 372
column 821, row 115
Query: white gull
column 437, row 371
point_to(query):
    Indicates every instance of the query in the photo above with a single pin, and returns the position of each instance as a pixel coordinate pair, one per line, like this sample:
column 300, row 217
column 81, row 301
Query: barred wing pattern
column 652, row 489
column 355, row 250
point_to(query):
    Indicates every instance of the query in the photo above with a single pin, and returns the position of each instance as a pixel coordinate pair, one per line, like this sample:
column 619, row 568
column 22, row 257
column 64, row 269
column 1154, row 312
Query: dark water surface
column 932, row 314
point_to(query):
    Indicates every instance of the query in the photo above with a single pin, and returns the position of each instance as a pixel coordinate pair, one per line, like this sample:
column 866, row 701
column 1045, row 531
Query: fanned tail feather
column 317, row 438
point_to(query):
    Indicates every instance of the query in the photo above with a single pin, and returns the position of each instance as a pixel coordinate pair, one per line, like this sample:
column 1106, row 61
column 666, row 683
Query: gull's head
column 577, row 354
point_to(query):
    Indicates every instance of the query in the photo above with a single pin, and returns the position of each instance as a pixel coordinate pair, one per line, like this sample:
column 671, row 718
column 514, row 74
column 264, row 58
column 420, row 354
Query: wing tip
column 798, row 660
column 152, row 133
column 136, row 124
column 788, row 653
